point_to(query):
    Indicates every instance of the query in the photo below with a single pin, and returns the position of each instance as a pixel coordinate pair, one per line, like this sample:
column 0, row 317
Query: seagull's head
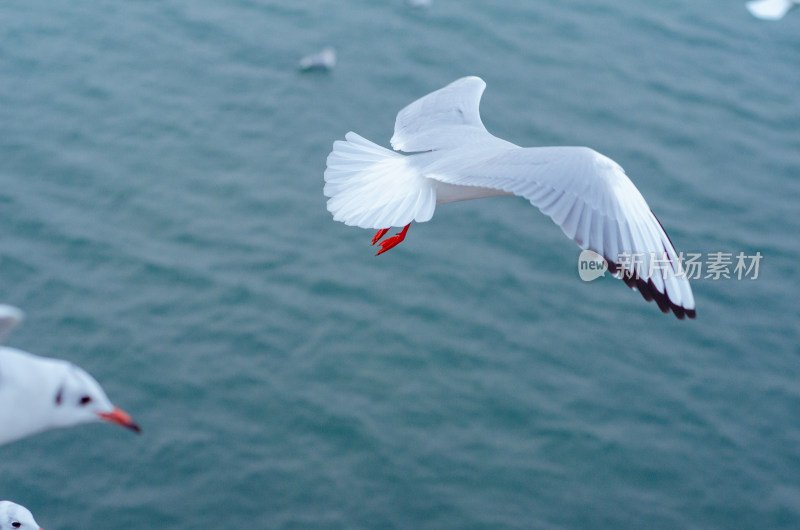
column 79, row 398
column 13, row 516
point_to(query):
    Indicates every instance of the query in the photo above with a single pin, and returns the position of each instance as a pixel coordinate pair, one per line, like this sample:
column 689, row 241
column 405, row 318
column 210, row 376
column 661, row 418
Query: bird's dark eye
column 85, row 400
column 60, row 396
column 16, row 524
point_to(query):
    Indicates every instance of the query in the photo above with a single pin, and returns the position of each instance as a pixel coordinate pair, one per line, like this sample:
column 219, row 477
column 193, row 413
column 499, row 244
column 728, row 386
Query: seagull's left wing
column 446, row 118
column 589, row 196
column 10, row 316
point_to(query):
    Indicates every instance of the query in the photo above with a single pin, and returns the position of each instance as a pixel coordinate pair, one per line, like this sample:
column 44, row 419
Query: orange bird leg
column 391, row 242
column 379, row 234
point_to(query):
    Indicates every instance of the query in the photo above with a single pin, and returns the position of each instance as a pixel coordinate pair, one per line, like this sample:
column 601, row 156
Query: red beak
column 121, row 418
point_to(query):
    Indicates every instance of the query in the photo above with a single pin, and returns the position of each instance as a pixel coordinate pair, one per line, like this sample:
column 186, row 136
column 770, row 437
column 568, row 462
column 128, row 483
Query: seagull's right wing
column 769, row 9
column 589, row 196
column 10, row 316
column 449, row 117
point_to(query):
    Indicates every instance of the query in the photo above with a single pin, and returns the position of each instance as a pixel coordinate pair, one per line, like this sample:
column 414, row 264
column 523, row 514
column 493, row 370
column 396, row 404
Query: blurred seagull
column 770, row 9
column 419, row 3
column 16, row 517
column 38, row 393
column 452, row 157
column 324, row 60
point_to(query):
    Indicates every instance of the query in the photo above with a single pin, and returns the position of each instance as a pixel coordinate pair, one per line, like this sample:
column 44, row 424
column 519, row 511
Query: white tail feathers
column 370, row 186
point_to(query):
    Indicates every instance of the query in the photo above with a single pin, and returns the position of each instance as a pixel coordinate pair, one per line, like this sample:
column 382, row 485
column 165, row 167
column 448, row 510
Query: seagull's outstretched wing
column 589, row 196
column 10, row 316
column 769, row 9
column 447, row 118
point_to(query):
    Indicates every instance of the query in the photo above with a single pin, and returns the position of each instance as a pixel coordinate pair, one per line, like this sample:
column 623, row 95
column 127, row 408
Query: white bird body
column 16, row 517
column 20, row 372
column 770, row 9
column 452, row 157
column 322, row 60
column 39, row 393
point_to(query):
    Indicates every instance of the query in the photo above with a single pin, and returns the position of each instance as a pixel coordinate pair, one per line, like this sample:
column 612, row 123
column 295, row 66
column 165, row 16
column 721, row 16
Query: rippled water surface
column 163, row 225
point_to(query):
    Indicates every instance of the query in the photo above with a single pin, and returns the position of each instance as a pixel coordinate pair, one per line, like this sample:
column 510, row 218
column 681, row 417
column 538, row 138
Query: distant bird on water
column 39, row 393
column 770, row 9
column 323, row 60
column 16, row 517
column 452, row 157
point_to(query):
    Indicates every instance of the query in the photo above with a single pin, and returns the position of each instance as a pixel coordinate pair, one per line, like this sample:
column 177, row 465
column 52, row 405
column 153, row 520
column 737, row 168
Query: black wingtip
column 649, row 292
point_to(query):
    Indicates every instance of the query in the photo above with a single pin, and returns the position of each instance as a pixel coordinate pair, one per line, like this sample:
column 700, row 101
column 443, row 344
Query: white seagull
column 13, row 516
column 452, row 157
column 770, row 9
column 323, row 60
column 38, row 393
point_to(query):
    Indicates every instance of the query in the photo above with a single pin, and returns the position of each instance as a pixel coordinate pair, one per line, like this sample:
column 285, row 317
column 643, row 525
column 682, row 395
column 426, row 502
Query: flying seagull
column 322, row 60
column 452, row 157
column 39, row 393
column 770, row 9
column 16, row 517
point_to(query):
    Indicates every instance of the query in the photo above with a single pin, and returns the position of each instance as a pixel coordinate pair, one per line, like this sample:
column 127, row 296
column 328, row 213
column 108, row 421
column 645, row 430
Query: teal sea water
column 162, row 223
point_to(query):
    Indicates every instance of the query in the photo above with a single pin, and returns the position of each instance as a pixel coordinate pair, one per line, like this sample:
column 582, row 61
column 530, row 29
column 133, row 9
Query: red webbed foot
column 379, row 234
column 390, row 242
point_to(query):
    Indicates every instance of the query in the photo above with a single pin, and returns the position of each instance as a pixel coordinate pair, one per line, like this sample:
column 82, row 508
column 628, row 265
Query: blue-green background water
column 162, row 223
